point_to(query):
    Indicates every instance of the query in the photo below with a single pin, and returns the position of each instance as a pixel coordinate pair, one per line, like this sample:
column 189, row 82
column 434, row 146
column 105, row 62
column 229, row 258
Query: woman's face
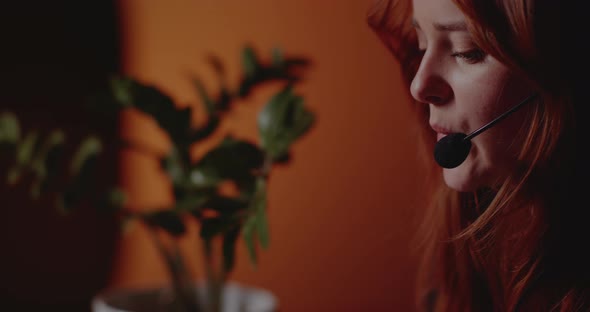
column 465, row 89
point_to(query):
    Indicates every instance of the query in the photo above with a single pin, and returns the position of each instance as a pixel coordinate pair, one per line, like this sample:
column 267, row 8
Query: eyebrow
column 456, row 26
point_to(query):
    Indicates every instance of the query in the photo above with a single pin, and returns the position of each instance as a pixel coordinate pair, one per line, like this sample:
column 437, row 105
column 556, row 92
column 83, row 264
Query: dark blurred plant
column 197, row 183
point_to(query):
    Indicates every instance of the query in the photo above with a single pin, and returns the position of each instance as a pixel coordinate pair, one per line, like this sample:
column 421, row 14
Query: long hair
column 503, row 249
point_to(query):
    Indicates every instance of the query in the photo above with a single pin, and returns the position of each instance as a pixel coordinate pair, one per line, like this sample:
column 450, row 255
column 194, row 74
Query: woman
column 506, row 230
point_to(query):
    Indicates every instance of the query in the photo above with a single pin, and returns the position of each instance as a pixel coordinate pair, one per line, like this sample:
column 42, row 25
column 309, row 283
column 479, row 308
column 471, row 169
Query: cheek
column 486, row 95
column 495, row 152
column 486, row 164
column 505, row 142
column 505, row 138
column 499, row 91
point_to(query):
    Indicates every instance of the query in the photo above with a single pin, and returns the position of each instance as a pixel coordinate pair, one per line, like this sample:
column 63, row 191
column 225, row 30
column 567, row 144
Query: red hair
column 501, row 249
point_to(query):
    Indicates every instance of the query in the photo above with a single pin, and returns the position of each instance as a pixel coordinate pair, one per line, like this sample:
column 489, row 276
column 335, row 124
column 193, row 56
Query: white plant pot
column 235, row 298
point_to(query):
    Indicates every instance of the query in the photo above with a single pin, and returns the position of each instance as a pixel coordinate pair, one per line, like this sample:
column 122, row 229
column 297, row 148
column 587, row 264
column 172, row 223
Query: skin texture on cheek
column 494, row 152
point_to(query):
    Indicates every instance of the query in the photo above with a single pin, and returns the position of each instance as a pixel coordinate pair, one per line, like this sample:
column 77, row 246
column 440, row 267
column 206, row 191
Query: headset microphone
column 452, row 150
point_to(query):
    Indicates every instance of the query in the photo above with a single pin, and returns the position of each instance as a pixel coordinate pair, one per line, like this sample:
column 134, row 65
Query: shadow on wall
column 53, row 55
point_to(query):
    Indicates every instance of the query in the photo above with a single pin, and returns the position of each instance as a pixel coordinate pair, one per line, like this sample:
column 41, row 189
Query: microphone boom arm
column 493, row 122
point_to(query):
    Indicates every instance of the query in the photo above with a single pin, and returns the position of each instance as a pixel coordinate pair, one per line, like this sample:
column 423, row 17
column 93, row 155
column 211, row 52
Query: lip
column 441, row 132
column 439, row 129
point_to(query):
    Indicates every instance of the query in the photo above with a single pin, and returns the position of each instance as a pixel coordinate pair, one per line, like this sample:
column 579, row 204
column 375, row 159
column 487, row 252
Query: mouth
column 441, row 132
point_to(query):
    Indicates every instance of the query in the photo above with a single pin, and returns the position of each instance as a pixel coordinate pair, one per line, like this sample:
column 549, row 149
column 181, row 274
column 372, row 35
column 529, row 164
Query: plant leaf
column 258, row 212
column 26, row 148
column 262, row 223
column 282, row 121
column 224, row 100
column 91, row 146
column 9, row 129
column 225, row 205
column 192, row 202
column 217, row 65
column 45, row 161
column 206, row 100
column 231, row 159
column 155, row 103
column 249, row 61
column 206, row 130
column 167, row 220
column 204, row 176
column 82, row 172
column 229, row 248
column 249, row 231
column 277, row 58
column 112, row 201
column 174, row 167
column 212, row 227
column 121, row 89
column 255, row 227
column 24, row 154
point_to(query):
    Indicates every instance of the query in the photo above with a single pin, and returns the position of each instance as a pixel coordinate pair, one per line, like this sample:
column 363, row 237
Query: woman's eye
column 471, row 56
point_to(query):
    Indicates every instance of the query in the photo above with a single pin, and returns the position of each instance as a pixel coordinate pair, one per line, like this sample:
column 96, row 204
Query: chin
column 461, row 179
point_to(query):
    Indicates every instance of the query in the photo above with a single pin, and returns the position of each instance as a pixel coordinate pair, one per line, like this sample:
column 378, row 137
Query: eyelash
column 472, row 56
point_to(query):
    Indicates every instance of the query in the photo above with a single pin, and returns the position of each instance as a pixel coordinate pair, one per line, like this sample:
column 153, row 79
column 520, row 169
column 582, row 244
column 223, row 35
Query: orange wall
column 342, row 213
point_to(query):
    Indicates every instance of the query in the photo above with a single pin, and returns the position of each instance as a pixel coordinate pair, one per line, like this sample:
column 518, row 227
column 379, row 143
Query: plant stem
column 214, row 283
column 183, row 289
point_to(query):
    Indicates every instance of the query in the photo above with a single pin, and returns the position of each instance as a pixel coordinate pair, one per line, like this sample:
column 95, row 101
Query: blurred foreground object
column 199, row 185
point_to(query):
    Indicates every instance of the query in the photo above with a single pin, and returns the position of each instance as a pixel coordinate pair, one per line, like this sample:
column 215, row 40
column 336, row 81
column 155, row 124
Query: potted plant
column 199, row 185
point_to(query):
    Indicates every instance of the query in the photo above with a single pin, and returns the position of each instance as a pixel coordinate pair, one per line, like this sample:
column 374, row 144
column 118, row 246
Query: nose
column 429, row 84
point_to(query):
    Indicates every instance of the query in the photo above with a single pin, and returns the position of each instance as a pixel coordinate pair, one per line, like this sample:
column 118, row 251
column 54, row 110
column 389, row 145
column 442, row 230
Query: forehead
column 429, row 12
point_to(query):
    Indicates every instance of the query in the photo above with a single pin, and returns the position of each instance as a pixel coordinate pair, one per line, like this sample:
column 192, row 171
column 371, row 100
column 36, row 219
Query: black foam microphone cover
column 452, row 150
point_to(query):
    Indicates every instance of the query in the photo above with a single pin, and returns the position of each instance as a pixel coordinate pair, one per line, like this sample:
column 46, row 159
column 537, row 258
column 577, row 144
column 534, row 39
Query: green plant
column 196, row 183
